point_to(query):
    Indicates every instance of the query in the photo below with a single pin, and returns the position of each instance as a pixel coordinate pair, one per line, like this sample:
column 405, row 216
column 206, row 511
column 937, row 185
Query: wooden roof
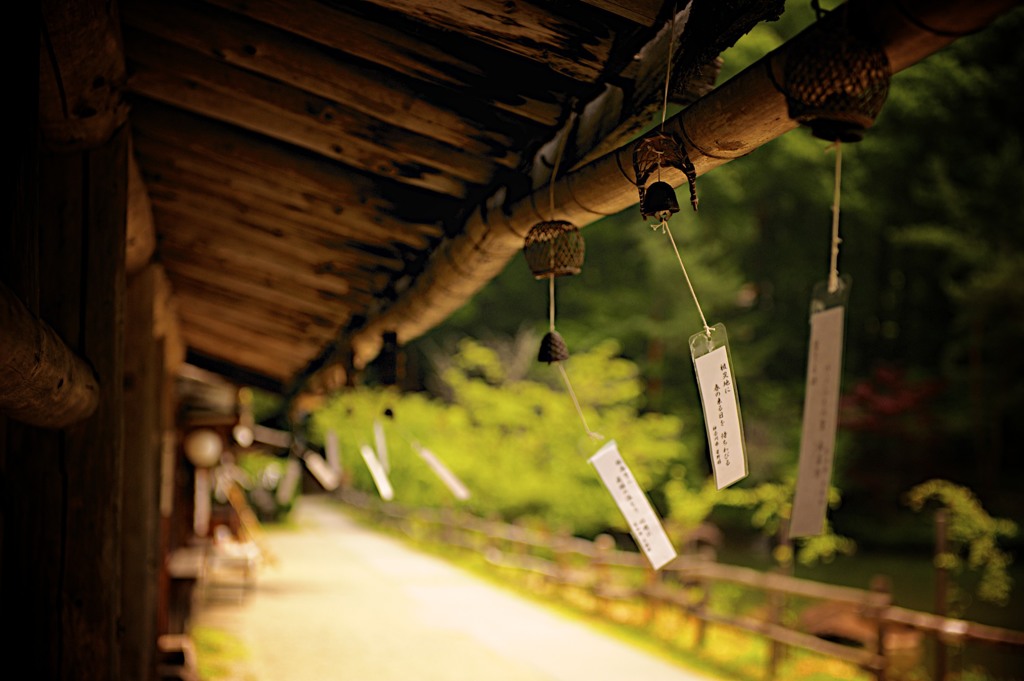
column 304, row 160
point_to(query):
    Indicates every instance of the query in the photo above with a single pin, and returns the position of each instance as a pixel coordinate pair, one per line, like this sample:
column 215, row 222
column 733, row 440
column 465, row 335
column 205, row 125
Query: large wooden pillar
column 60, row 572
column 144, row 396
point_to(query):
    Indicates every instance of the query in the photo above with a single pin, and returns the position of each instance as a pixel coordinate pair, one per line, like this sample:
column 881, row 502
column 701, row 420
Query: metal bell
column 660, row 201
column 552, row 348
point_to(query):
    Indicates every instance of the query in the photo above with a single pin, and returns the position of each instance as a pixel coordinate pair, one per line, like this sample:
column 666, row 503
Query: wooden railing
column 865, row 621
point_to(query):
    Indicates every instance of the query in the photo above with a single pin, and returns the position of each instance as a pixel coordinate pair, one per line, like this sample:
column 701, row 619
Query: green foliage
column 262, row 473
column 974, row 534
column 518, row 445
column 771, row 504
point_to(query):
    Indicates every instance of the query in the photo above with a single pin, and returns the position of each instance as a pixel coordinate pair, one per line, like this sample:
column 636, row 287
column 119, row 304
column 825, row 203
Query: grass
column 219, row 655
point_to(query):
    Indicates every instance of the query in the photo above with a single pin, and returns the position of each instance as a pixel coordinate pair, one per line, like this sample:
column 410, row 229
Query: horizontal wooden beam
column 730, row 122
column 270, row 52
column 42, row 382
column 181, row 78
column 446, row 63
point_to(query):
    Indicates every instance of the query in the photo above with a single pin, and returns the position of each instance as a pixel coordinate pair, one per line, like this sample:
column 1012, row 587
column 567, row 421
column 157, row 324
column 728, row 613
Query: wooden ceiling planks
column 270, row 52
column 305, row 158
column 390, row 207
column 210, row 88
column 578, row 46
column 284, row 325
column 523, row 92
column 313, row 216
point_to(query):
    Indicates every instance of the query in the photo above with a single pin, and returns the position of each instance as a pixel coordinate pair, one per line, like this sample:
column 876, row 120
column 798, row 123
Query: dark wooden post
column 941, row 587
column 881, row 588
column 62, row 514
column 604, row 544
column 143, row 384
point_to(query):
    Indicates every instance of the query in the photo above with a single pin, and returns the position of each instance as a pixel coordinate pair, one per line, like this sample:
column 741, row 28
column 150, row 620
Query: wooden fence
column 859, row 626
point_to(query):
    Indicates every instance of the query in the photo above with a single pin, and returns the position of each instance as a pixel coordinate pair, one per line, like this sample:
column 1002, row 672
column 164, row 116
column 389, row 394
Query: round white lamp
column 203, row 447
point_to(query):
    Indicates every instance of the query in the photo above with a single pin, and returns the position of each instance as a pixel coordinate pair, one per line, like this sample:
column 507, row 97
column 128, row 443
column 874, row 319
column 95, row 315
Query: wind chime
column 554, row 248
column 835, row 83
column 709, row 349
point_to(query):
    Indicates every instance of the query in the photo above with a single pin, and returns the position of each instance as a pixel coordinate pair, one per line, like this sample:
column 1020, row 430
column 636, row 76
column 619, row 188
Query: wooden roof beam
column 44, row 382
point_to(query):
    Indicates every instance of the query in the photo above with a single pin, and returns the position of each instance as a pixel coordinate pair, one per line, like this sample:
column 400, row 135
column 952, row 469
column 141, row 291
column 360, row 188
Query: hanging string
column 668, row 65
column 576, row 403
column 551, row 303
column 664, row 227
column 558, row 159
column 833, row 274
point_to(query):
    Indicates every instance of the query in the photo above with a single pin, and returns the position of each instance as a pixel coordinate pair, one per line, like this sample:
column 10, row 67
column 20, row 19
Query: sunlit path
column 345, row 603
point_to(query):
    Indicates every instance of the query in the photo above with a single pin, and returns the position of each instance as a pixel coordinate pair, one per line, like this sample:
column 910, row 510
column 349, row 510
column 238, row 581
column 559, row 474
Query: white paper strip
column 333, row 455
column 380, row 476
column 381, row 443
column 821, row 413
column 721, row 417
column 323, row 473
column 202, row 505
column 272, row 437
column 644, row 524
column 289, row 482
column 447, row 477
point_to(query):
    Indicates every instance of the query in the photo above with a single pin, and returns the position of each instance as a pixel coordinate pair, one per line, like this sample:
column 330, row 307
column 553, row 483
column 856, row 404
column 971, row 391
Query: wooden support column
column 144, row 395
column 62, row 521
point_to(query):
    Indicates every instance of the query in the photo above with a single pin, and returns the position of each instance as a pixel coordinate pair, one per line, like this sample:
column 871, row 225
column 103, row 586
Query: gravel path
column 345, row 603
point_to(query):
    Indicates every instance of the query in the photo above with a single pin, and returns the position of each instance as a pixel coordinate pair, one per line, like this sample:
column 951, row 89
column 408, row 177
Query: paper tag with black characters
column 450, row 480
column 644, row 524
column 717, row 384
column 821, row 410
column 331, row 449
column 377, row 472
column 381, row 444
column 324, row 474
column 289, row 482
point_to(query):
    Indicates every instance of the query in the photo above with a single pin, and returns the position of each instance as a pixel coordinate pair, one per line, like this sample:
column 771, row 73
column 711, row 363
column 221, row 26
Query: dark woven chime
column 836, row 80
column 835, row 83
column 553, row 248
